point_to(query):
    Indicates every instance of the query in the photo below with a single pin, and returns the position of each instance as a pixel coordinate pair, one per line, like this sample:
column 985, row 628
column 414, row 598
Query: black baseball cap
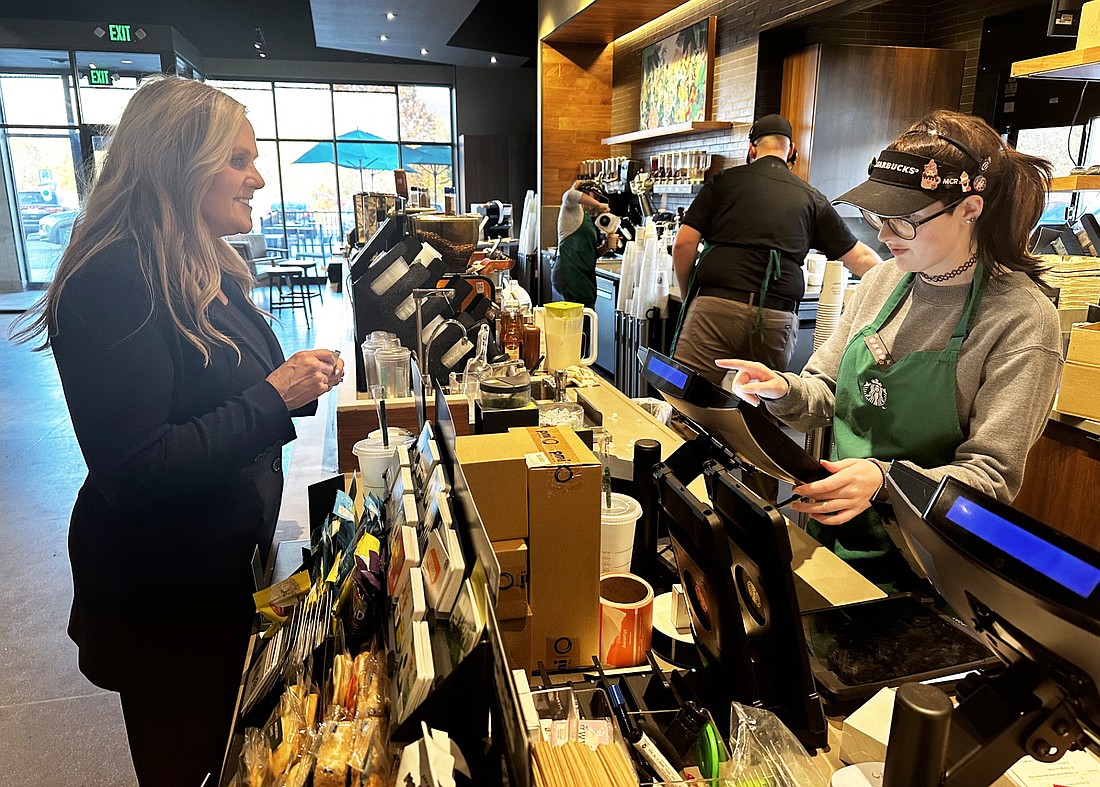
column 770, row 124
column 900, row 184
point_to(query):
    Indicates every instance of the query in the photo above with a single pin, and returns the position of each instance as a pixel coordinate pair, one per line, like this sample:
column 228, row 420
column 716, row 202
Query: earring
column 970, row 221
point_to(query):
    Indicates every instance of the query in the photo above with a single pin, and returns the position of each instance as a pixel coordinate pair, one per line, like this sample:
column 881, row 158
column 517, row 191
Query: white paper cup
column 617, row 532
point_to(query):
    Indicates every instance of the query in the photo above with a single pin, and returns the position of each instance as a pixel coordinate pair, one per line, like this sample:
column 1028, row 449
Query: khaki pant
column 718, row 328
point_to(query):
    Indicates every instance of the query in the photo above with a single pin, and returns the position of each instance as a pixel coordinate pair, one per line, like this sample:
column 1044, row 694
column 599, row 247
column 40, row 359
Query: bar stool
column 308, row 267
column 297, row 294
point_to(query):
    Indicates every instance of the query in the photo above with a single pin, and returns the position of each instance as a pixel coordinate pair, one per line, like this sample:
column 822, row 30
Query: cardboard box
column 563, row 496
column 1081, row 374
column 512, row 557
column 516, row 633
column 497, row 476
column 1088, row 31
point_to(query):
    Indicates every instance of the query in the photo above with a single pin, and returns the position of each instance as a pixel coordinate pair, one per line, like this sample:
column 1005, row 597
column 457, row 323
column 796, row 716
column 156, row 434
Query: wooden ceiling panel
column 603, row 21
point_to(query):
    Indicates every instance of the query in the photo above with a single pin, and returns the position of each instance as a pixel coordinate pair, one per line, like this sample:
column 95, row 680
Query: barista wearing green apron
column 947, row 357
column 574, row 273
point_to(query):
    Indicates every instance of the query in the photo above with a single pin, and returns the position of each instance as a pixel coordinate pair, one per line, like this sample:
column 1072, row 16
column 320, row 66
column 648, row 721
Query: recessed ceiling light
column 493, row 59
column 383, row 38
column 262, row 54
column 127, row 62
column 423, row 51
column 391, row 15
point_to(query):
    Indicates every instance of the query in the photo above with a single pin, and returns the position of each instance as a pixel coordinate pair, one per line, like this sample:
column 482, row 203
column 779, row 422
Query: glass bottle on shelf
column 511, row 333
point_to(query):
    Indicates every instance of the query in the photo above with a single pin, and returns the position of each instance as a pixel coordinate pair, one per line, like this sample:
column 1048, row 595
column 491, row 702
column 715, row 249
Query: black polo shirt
column 749, row 209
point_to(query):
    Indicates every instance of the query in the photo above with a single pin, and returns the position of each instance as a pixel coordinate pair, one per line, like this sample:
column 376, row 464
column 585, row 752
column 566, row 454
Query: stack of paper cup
column 831, row 301
column 815, row 270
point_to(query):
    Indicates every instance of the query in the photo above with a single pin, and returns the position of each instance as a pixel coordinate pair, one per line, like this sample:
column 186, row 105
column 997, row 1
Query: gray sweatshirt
column 1007, row 375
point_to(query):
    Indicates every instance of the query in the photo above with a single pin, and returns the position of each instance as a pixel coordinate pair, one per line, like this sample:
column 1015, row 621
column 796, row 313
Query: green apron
column 772, row 273
column 906, row 410
column 575, row 271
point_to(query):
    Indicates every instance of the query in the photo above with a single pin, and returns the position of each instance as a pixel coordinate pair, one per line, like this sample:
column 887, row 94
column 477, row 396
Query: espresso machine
column 629, row 206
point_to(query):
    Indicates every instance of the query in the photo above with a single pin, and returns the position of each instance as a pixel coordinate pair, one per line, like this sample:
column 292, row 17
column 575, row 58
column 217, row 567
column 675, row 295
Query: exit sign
column 99, row 76
column 118, row 32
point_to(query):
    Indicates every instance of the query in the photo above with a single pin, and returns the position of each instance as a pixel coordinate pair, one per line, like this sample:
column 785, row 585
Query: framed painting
column 677, row 73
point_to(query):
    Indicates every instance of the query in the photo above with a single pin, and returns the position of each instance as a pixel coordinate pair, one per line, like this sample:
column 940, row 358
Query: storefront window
column 1057, row 145
column 369, row 108
column 430, row 167
column 107, row 80
column 46, row 194
column 334, row 141
column 36, row 100
column 259, row 102
column 303, row 111
column 425, row 113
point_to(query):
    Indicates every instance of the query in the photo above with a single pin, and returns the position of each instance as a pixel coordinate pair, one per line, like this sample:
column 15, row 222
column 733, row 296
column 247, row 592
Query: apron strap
column 685, row 297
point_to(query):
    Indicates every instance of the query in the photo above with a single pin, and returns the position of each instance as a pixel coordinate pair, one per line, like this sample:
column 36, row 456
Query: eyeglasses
column 906, row 229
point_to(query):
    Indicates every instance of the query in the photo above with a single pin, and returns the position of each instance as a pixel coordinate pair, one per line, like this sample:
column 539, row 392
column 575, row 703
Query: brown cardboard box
column 1088, row 31
column 517, row 641
column 497, row 476
column 1081, row 374
column 512, row 557
column 563, row 496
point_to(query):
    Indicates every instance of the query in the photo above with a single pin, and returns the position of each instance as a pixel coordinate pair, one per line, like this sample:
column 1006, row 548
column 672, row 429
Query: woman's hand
column 755, row 381
column 306, row 375
column 843, row 495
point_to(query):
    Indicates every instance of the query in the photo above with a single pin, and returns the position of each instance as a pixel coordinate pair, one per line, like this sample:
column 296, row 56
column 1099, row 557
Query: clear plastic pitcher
column 564, row 322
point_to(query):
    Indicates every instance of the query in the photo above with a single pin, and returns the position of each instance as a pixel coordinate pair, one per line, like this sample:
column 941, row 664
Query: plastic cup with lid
column 617, row 525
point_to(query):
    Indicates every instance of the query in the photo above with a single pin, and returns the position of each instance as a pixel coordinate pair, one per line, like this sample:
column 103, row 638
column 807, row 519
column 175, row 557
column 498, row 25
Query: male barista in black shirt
column 757, row 222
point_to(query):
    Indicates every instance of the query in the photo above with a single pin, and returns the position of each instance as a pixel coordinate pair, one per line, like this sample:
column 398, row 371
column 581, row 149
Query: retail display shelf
column 667, row 131
column 1076, row 64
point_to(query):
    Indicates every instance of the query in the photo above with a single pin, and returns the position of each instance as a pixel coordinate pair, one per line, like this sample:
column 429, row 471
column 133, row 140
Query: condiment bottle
column 511, row 334
column 532, row 343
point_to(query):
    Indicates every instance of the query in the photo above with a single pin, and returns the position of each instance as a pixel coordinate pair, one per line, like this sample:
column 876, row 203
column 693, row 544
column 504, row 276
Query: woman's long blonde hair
column 172, row 140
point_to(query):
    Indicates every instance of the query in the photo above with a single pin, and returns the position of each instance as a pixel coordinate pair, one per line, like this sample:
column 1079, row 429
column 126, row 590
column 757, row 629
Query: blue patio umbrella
column 357, row 149
column 431, row 158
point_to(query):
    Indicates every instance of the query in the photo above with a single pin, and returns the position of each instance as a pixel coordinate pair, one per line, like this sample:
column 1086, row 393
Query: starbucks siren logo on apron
column 875, row 392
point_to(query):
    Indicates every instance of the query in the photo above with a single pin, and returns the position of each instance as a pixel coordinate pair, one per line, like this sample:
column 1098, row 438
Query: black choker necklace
column 952, row 273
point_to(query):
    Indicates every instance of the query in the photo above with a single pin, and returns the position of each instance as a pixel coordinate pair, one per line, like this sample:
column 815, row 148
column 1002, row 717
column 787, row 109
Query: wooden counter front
column 357, row 416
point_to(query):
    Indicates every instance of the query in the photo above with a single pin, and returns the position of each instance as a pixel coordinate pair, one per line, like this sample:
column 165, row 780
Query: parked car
column 57, row 227
column 34, row 205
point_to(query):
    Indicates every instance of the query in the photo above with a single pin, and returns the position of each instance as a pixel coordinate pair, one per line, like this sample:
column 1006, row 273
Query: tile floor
column 55, row 727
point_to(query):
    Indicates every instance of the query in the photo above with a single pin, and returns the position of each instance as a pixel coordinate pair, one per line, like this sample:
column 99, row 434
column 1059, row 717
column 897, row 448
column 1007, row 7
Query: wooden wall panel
column 1062, row 482
column 576, row 112
column 799, row 100
column 867, row 96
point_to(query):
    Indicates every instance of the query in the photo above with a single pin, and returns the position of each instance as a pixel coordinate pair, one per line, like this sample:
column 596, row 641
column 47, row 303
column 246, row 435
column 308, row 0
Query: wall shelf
column 1076, row 64
column 668, row 131
column 1076, row 183
column 676, row 188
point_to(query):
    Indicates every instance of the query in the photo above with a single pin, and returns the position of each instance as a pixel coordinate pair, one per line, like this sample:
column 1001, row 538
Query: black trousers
column 179, row 711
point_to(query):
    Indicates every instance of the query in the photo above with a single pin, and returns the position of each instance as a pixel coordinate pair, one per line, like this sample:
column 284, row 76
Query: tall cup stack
column 831, row 301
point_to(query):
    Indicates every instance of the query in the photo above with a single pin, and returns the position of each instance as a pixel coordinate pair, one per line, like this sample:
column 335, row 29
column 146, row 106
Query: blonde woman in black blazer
column 181, row 401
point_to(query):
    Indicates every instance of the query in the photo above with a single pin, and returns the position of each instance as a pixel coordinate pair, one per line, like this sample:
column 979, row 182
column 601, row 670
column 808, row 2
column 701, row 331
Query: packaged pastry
column 331, row 767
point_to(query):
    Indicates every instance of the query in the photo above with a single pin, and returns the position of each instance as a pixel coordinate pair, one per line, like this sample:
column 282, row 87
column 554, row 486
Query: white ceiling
column 356, row 26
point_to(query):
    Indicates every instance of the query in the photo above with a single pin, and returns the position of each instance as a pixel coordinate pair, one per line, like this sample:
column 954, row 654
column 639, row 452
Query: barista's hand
column 602, row 207
column 755, row 381
column 306, row 375
column 838, row 498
